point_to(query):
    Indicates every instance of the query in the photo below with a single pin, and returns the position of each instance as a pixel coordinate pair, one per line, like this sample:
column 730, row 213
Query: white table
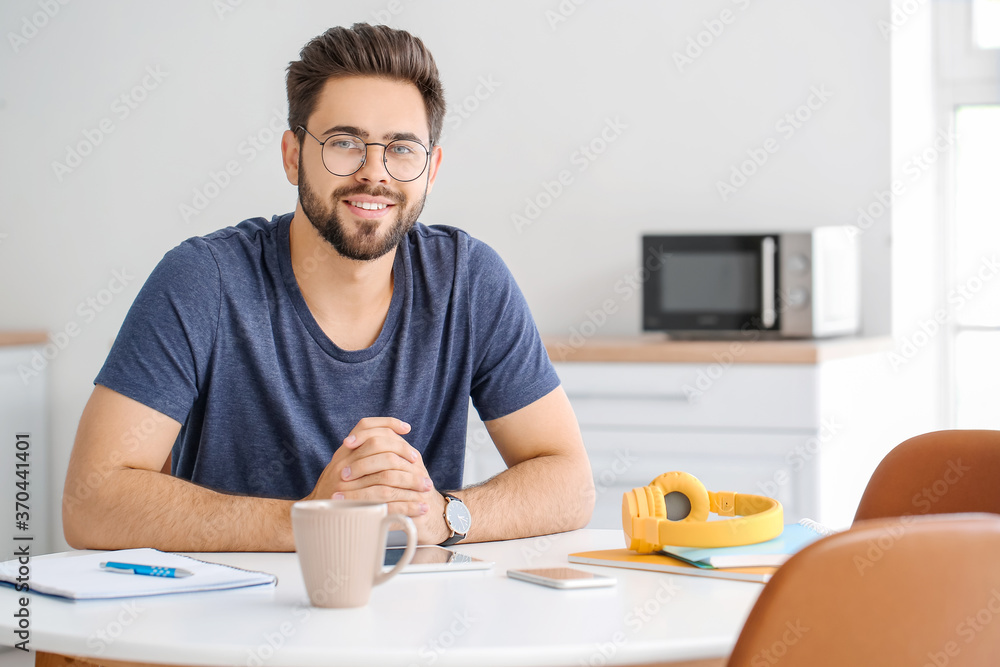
column 415, row 620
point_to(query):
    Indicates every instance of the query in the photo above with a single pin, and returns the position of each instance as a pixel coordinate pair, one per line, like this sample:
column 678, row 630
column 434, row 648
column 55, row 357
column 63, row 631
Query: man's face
column 364, row 215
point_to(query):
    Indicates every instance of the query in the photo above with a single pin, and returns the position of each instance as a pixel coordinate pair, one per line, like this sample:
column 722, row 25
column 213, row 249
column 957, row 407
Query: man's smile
column 368, row 207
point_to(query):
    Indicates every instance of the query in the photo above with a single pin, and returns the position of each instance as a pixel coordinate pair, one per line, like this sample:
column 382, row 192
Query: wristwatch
column 457, row 517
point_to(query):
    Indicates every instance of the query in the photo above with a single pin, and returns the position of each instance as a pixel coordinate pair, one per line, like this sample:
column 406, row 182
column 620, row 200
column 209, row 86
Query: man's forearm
column 543, row 495
column 141, row 508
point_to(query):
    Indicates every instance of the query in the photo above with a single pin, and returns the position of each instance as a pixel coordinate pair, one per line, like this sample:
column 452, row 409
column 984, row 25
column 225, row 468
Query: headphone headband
column 647, row 528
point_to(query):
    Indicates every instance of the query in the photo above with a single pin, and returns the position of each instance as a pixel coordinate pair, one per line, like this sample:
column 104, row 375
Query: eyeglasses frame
column 364, row 160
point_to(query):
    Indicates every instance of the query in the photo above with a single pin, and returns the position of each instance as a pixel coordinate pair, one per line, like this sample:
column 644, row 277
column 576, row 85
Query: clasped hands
column 375, row 463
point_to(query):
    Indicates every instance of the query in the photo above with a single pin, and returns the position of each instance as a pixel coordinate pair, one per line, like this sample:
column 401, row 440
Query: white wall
column 532, row 91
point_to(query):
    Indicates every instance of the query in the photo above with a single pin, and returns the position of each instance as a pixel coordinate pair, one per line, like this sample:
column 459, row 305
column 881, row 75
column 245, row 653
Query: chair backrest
column 936, row 473
column 906, row 591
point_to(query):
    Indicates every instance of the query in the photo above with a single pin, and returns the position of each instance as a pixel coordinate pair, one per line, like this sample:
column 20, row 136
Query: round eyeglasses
column 345, row 154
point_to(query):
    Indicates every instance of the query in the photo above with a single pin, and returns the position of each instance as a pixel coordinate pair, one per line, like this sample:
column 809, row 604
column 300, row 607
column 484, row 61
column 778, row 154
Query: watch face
column 458, row 516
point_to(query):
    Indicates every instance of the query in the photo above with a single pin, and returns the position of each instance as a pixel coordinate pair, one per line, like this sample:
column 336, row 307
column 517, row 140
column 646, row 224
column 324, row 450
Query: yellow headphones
column 673, row 510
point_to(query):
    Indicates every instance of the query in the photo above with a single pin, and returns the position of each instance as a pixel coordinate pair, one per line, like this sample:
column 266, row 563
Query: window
column 970, row 97
column 986, row 24
column 975, row 295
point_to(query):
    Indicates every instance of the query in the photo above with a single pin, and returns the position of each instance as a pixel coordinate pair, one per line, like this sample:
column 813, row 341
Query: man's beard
column 367, row 244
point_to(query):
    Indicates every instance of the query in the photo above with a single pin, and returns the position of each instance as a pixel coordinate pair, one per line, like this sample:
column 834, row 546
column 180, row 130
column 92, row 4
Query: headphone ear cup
column 654, row 509
column 654, row 500
column 641, row 503
column 689, row 486
column 631, row 510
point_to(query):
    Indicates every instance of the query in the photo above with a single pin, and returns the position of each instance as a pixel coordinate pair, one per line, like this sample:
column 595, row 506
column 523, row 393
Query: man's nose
column 373, row 170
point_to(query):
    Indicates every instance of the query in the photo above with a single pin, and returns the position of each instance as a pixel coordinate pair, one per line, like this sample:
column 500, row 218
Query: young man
column 330, row 352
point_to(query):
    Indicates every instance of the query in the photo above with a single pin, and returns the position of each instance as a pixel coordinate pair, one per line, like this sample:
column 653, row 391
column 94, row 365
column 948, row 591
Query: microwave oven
column 782, row 285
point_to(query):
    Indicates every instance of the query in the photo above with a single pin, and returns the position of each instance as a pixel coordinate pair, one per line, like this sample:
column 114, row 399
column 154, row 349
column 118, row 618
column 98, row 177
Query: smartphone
column 434, row 559
column 562, row 577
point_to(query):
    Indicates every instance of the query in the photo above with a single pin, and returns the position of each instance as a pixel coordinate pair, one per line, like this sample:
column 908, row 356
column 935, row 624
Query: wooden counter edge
column 643, row 349
column 10, row 338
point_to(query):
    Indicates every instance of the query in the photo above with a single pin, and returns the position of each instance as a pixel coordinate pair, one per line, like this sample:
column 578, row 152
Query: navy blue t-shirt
column 221, row 340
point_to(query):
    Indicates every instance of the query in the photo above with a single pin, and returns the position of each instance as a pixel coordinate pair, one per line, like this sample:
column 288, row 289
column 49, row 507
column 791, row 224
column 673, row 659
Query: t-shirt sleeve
column 162, row 352
column 512, row 368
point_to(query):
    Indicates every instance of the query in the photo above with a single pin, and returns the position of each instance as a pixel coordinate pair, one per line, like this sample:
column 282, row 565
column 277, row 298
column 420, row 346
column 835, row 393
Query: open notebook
column 81, row 577
column 753, row 562
column 771, row 553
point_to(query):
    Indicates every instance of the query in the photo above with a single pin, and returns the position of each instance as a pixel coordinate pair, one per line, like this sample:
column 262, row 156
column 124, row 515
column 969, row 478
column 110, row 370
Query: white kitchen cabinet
column 808, row 434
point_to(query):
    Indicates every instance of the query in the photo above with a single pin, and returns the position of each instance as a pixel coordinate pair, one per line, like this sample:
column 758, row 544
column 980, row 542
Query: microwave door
column 722, row 284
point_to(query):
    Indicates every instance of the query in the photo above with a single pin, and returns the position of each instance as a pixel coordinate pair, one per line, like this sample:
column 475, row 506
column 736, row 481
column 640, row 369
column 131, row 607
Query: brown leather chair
column 936, row 473
column 903, row 591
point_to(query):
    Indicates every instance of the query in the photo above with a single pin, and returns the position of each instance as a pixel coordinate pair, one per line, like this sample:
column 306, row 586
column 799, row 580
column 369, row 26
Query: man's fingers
column 356, row 437
column 399, row 500
column 373, row 463
column 383, row 440
column 411, row 509
column 398, row 479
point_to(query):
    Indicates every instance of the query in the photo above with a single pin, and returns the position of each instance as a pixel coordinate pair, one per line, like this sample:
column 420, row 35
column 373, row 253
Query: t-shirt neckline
column 284, row 223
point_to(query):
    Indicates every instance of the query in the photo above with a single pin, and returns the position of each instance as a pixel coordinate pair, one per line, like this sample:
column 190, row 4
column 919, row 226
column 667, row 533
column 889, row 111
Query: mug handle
column 411, row 546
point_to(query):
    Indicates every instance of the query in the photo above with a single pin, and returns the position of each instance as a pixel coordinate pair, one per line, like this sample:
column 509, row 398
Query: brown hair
column 363, row 50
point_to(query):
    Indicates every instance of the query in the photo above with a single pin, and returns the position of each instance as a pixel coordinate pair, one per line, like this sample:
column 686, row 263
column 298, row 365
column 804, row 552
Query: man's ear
column 290, row 156
column 435, row 164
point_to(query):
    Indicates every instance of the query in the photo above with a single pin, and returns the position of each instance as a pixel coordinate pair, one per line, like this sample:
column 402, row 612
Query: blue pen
column 147, row 570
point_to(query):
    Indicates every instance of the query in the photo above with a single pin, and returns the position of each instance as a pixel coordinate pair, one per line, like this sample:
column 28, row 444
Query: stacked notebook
column 81, row 577
column 752, row 562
